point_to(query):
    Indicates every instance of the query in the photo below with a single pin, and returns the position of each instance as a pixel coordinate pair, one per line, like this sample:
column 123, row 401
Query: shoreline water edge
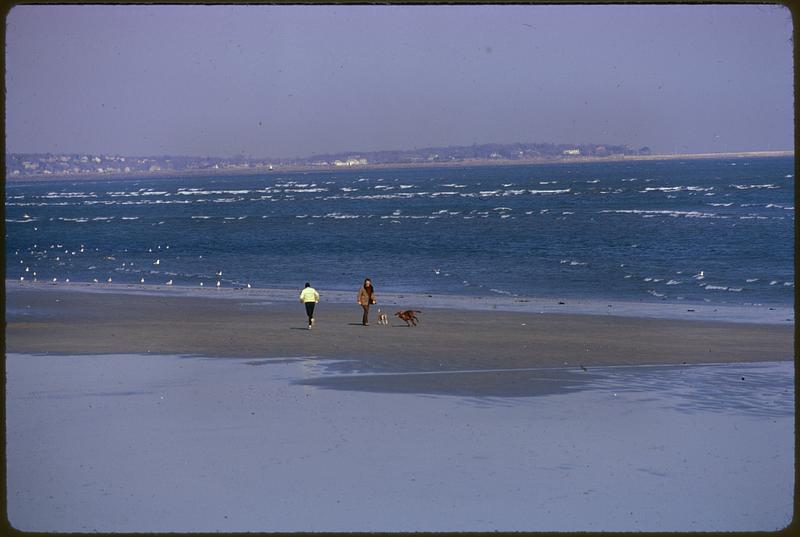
column 686, row 310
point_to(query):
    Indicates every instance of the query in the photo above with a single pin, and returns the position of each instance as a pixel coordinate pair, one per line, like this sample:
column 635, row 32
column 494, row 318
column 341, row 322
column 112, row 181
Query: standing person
column 309, row 297
column 366, row 296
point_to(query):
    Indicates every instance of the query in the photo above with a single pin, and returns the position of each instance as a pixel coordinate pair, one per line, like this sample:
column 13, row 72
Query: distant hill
column 19, row 165
column 517, row 151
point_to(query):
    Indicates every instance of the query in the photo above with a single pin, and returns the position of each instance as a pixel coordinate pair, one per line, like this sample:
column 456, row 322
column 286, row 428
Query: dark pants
column 365, row 318
column 310, row 310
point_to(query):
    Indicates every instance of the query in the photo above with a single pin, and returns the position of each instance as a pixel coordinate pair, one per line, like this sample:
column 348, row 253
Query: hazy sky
column 283, row 81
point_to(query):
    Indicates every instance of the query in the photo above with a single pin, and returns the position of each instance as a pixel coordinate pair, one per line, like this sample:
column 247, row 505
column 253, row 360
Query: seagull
column 67, row 280
column 141, row 281
column 436, row 271
column 248, row 286
column 109, row 280
column 22, row 278
column 219, row 273
column 94, row 280
column 27, row 269
column 218, row 284
column 158, row 262
column 169, row 282
column 201, row 284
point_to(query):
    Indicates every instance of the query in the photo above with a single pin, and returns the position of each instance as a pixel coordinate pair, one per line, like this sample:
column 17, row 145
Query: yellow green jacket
column 309, row 294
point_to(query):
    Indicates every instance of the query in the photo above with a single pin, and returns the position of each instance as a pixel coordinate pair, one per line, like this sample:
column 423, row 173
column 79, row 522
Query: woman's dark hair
column 369, row 289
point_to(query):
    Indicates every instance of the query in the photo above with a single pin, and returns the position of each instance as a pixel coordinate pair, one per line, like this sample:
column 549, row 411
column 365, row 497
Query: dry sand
column 62, row 321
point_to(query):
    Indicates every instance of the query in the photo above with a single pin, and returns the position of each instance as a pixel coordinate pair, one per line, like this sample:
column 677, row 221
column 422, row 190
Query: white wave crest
column 545, row 192
column 747, row 187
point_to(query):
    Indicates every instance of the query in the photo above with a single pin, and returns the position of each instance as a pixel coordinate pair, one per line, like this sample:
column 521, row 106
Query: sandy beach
column 60, row 320
column 137, row 409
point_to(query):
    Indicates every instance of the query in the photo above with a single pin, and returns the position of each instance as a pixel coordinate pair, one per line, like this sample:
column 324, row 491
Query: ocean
column 697, row 231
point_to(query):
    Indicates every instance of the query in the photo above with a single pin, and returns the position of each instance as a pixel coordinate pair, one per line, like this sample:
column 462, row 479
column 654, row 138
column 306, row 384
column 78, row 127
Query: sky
column 289, row 81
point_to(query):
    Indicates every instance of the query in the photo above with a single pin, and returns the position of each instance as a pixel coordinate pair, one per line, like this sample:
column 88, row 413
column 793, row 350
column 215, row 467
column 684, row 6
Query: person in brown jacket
column 366, row 296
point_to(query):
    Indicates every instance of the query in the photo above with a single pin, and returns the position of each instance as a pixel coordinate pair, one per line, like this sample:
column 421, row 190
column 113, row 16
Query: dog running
column 409, row 316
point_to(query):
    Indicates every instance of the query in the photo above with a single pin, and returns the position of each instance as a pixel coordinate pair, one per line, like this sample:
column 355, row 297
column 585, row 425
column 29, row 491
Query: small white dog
column 382, row 318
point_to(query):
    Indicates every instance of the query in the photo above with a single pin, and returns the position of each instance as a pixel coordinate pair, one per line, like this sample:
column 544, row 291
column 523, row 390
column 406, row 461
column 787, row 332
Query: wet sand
column 63, row 321
column 154, row 443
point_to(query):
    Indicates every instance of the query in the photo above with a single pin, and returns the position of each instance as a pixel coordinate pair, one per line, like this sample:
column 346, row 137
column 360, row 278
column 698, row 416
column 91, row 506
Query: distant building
column 353, row 161
column 572, row 152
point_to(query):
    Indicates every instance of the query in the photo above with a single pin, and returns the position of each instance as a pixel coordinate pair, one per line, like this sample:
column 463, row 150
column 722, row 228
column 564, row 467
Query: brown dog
column 409, row 316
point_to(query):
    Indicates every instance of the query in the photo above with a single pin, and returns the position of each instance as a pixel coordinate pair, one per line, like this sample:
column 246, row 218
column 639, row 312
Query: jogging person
column 309, row 297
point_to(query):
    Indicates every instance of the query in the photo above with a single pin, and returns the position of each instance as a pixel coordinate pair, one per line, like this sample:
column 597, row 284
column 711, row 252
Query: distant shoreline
column 395, row 165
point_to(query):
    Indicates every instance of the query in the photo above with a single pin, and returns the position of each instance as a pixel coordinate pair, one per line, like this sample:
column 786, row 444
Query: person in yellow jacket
column 309, row 297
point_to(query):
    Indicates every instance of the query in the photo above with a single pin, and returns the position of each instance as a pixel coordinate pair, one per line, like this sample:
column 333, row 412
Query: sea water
column 143, row 443
column 717, row 231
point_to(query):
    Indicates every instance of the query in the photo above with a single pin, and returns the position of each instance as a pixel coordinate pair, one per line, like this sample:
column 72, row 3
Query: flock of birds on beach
column 31, row 275
column 59, row 250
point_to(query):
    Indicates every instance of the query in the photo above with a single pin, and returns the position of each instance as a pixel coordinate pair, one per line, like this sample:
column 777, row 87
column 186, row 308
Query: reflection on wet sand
column 762, row 389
